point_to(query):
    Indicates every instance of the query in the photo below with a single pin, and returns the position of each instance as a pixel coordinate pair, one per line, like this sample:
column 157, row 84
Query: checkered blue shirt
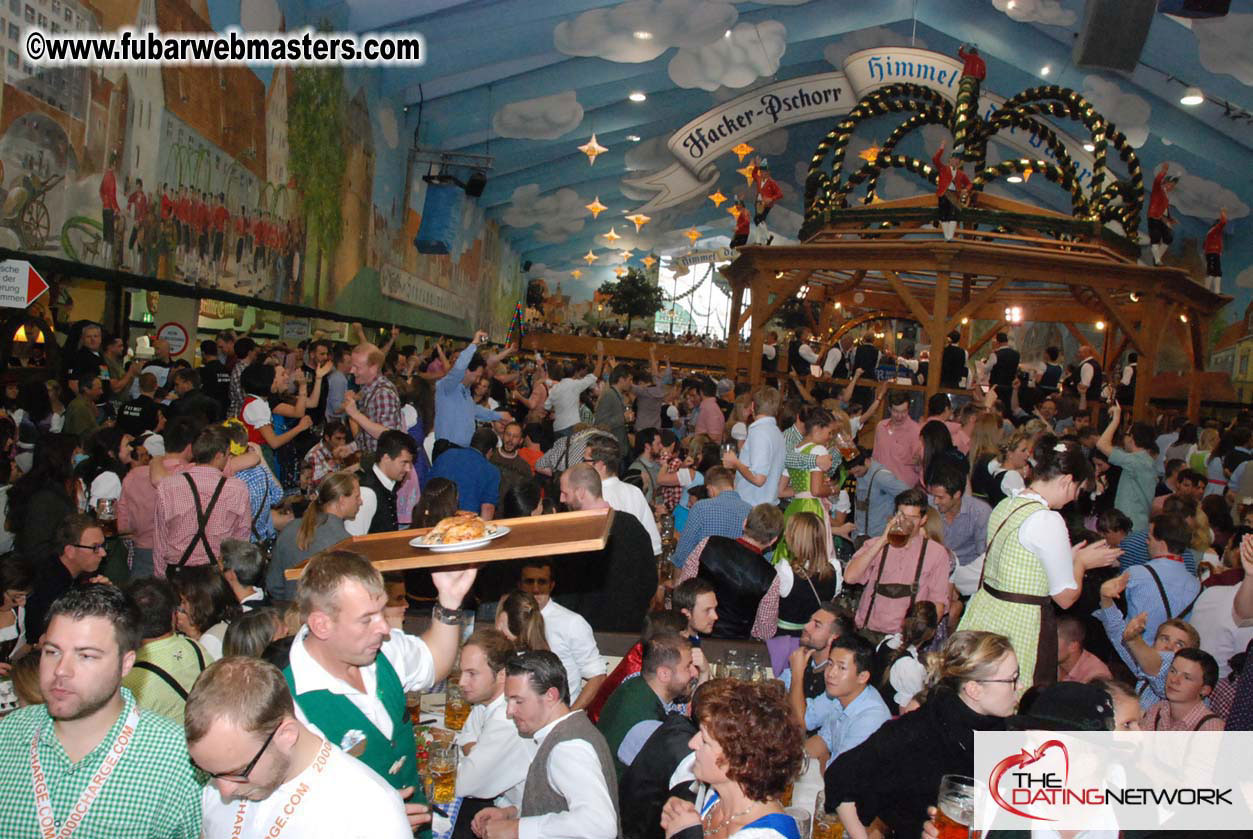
column 720, row 516
column 263, row 493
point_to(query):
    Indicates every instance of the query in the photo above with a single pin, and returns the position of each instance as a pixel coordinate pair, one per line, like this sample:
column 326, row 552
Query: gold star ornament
column 871, row 153
column 649, row 261
column 590, row 257
column 612, row 236
column 576, row 273
column 742, row 151
column 747, row 172
column 592, row 148
column 620, row 272
column 717, row 198
column 693, row 234
column 639, row 220
column 596, row 208
column 626, row 253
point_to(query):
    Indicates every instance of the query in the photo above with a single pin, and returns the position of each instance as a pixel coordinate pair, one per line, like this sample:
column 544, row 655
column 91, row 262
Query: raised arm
column 1106, row 441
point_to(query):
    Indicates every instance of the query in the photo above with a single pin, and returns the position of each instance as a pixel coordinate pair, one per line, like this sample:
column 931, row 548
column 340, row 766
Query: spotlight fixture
column 1100, row 326
column 727, row 34
column 1133, row 297
column 1192, row 96
column 1183, row 318
column 642, row 35
column 1045, row 70
column 1013, row 314
column 634, row 138
column 1014, row 179
column 965, row 321
column 637, row 96
column 1089, row 147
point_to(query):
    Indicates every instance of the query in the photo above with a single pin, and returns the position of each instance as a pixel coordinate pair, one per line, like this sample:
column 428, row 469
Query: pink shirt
column 1158, row 718
column 1087, row 668
column 710, row 419
column 137, row 508
column 899, row 448
column 901, row 565
column 176, row 524
column 960, row 438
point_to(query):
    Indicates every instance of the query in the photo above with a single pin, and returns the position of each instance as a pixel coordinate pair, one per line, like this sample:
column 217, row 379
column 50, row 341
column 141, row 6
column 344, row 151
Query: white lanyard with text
column 289, row 808
column 43, row 796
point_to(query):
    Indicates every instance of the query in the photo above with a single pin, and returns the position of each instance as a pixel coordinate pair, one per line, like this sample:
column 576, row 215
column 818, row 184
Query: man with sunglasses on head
column 268, row 771
column 88, row 761
column 79, row 549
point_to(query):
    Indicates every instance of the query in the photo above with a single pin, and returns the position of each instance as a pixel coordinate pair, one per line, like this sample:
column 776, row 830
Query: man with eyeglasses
column 89, row 761
column 79, row 549
column 268, row 771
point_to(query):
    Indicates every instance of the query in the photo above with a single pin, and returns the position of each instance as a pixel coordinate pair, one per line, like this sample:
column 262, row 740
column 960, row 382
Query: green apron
column 336, row 715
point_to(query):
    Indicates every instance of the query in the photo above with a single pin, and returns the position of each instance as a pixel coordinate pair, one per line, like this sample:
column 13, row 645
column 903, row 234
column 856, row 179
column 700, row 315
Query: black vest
column 1094, row 387
column 866, row 359
column 740, row 577
column 796, row 364
column 952, row 366
column 1006, row 367
column 1051, row 377
column 984, row 484
column 384, row 520
column 841, row 366
column 644, row 787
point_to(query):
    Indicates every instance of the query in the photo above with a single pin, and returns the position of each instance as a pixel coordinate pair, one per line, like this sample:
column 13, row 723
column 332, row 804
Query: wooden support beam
column 1122, row 347
column 1116, row 315
column 987, row 336
column 782, row 293
column 972, row 302
column 1198, row 326
column 919, row 311
column 937, row 329
column 734, row 325
column 757, row 335
column 1155, row 319
column 1074, row 330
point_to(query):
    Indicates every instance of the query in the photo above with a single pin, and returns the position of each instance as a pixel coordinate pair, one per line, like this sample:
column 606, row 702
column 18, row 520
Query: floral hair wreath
column 236, row 448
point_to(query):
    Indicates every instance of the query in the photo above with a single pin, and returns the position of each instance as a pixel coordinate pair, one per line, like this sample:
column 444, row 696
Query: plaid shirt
column 176, row 517
column 323, row 461
column 263, row 493
column 236, row 391
column 555, row 459
column 766, row 622
column 380, row 402
column 152, row 792
column 722, row 515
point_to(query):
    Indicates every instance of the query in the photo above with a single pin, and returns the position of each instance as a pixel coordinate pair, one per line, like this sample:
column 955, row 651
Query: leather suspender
column 165, row 676
column 256, row 517
column 202, row 521
column 913, row 589
column 1161, row 589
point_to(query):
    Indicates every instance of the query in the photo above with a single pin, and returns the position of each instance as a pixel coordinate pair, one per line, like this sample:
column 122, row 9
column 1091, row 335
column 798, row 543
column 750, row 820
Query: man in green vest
column 668, row 676
column 349, row 670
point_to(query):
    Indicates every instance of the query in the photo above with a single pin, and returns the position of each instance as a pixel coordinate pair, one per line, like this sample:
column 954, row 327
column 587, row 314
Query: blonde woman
column 337, row 501
column 995, row 478
column 519, row 618
column 815, row 576
column 970, row 687
column 1207, row 441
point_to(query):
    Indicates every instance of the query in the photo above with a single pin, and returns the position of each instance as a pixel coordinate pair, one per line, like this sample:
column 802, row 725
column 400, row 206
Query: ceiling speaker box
column 1113, row 33
column 476, row 184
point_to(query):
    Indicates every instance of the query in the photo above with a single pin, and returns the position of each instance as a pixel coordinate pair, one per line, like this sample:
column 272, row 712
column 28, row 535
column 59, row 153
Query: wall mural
column 260, row 182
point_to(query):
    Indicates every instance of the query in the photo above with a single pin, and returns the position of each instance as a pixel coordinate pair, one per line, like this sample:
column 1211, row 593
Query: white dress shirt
column 628, row 498
column 359, row 525
column 497, row 765
column 574, row 771
column 571, row 639
column 563, row 400
column 342, row 797
column 1213, row 621
column 408, row 656
column 834, row 356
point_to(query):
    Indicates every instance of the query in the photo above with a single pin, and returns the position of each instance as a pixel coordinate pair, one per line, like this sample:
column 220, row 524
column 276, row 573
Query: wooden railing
column 691, row 358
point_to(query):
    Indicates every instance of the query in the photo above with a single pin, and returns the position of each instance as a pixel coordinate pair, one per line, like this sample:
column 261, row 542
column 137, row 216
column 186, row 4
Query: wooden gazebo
column 888, row 261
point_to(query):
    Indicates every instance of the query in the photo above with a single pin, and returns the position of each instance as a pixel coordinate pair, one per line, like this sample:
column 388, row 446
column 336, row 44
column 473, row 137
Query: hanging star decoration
column 596, row 208
column 742, row 151
column 1026, row 174
column 592, row 148
column 626, row 253
column 576, row 273
column 734, row 214
column 649, row 261
column 717, row 197
column 747, row 172
column 620, row 271
column 871, row 153
column 590, row 257
column 612, row 236
column 693, row 234
column 639, row 220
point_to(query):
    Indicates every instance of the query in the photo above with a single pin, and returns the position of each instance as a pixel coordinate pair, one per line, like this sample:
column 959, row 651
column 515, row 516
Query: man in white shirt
column 571, row 789
column 563, row 397
column 494, row 756
column 1212, row 619
column 568, row 634
column 267, row 769
column 760, row 463
column 395, row 453
column 349, row 670
column 605, row 455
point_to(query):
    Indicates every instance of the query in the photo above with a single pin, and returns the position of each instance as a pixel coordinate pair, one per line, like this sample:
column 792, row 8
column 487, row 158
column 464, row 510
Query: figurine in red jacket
column 1214, row 254
column 768, row 193
column 951, row 174
column 741, row 224
column 1160, row 220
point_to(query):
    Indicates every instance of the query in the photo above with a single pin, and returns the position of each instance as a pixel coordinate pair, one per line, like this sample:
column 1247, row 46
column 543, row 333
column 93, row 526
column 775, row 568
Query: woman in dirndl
column 1030, row 564
column 811, row 489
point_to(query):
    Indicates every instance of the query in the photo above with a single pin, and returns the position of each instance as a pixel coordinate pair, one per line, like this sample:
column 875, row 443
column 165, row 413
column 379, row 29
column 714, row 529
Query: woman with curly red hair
column 748, row 749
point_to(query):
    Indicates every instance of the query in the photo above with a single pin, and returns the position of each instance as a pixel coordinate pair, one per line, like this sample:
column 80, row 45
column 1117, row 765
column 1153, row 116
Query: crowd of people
column 992, row 559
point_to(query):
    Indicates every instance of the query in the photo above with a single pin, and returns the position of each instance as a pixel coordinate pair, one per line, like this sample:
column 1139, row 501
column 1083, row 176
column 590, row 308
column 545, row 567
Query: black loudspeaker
column 476, row 183
column 1113, row 33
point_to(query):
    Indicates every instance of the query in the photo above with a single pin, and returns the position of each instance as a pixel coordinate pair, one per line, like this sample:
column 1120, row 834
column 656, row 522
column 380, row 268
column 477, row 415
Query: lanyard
column 289, row 807
column 43, row 797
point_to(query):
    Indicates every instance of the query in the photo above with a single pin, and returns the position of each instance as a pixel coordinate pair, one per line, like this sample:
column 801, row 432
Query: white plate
column 418, row 542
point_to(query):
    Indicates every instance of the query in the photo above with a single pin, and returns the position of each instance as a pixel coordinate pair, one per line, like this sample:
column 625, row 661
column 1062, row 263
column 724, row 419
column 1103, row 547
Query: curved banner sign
column 699, row 143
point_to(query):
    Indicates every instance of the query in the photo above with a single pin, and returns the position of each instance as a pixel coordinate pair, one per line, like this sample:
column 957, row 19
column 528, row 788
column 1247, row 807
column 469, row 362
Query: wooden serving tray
column 551, row 535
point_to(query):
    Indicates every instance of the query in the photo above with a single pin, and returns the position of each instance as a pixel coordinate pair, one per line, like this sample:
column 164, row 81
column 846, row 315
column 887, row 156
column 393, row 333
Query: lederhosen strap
column 256, row 517
column 896, row 590
column 165, row 676
column 202, row 521
column 1161, row 589
column 865, row 517
column 1203, row 720
column 1045, row 672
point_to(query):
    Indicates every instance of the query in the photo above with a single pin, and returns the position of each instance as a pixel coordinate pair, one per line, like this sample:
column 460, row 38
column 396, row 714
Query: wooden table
column 534, row 536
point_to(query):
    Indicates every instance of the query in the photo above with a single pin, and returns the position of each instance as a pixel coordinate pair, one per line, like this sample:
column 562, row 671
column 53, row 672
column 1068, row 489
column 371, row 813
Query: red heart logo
column 1025, row 758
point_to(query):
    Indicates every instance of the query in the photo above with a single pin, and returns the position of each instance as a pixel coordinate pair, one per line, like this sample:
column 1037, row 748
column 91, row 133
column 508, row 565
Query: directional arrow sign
column 20, row 284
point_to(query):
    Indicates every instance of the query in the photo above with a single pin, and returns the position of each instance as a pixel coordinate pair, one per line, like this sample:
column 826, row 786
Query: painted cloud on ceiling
column 649, row 155
column 559, row 215
column 260, row 16
column 748, row 53
column 1245, row 278
column 1129, row 113
column 1037, row 11
column 1223, row 44
column 864, row 39
column 545, row 118
column 1202, row 198
column 610, row 33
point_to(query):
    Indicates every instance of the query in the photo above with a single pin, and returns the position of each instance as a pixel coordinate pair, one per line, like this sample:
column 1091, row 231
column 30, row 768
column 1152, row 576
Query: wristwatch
column 450, row 617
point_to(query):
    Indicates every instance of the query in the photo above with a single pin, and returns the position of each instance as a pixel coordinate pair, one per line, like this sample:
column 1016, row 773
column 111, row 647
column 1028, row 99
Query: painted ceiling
column 528, row 82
